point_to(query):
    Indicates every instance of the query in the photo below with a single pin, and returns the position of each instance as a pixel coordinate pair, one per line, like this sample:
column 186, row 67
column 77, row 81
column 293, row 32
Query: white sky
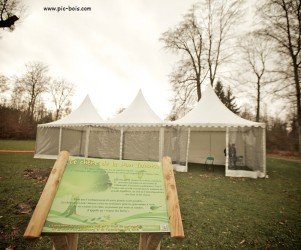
column 108, row 53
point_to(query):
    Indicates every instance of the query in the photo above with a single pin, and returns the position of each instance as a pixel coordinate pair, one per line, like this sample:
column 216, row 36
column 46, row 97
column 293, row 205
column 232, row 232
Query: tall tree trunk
column 57, row 114
column 198, row 87
column 298, row 101
column 258, row 101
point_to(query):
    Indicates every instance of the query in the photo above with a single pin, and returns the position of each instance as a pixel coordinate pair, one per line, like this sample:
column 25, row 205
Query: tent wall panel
column 170, row 143
column 182, row 138
column 141, row 145
column 73, row 140
column 207, row 143
column 47, row 141
column 248, row 144
column 104, row 143
column 199, row 147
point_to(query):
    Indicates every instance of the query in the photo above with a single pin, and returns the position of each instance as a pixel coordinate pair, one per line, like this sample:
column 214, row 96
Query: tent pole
column 161, row 143
column 87, row 141
column 187, row 148
column 121, row 144
column 227, row 148
column 60, row 140
column 264, row 150
column 210, row 143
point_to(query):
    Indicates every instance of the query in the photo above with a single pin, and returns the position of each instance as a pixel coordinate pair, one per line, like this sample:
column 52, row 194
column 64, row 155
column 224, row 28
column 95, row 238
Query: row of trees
column 265, row 61
column 25, row 101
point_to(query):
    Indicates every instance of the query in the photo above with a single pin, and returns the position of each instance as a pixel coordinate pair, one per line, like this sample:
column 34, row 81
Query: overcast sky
column 109, row 52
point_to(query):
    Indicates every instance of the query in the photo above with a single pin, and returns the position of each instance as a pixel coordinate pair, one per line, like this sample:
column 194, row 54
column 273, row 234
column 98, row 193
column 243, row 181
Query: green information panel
column 99, row 195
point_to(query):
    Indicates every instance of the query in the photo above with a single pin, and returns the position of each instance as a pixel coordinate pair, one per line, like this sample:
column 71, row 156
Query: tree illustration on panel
column 76, row 183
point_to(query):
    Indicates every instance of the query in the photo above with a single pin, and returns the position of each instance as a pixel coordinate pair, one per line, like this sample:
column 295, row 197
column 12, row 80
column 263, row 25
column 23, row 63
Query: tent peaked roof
column 210, row 111
column 139, row 112
column 85, row 114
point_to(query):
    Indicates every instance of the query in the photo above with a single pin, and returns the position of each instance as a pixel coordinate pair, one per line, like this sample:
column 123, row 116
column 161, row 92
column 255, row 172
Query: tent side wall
column 141, row 143
column 47, row 142
column 204, row 143
column 73, row 140
column 175, row 144
column 250, row 152
column 104, row 142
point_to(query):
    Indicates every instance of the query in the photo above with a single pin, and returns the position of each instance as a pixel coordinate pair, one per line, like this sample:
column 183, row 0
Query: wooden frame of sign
column 69, row 241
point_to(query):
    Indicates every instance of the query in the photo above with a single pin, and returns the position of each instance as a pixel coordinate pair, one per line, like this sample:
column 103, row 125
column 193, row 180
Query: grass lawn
column 17, row 145
column 218, row 212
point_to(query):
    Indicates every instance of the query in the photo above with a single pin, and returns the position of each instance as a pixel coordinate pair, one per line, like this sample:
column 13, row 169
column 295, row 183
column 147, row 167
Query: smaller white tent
column 85, row 114
column 140, row 131
column 139, row 113
column 210, row 127
column 69, row 133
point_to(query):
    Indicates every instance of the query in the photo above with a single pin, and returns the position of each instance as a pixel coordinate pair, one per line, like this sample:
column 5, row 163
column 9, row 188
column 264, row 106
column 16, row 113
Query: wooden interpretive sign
column 87, row 195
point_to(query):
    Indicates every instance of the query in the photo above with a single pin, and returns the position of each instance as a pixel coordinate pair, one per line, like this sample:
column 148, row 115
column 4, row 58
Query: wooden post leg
column 143, row 241
column 65, row 241
column 150, row 241
column 60, row 242
column 72, row 241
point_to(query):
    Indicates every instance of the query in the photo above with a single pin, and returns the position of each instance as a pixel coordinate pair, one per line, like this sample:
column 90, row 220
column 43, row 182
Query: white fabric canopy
column 138, row 113
column 210, row 111
column 140, row 131
column 85, row 114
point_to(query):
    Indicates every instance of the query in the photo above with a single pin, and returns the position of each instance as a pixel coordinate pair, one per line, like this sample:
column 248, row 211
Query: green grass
column 17, row 145
column 217, row 212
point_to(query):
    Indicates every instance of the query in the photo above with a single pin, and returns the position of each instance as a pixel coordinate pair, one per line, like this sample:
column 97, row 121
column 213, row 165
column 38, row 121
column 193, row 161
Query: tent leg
column 60, row 140
column 87, row 141
column 121, row 144
column 161, row 143
column 227, row 150
column 187, row 148
column 264, row 150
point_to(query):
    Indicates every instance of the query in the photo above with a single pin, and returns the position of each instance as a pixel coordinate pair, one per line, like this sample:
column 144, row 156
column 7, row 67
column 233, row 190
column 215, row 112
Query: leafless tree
column 32, row 85
column 256, row 58
column 186, row 79
column 18, row 98
column 200, row 40
column 282, row 25
column 3, row 84
column 9, row 9
column 61, row 91
column 3, row 88
column 218, row 18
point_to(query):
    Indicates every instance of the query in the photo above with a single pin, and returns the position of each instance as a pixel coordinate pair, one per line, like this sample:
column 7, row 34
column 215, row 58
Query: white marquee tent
column 210, row 126
column 140, row 131
column 139, row 134
column 69, row 133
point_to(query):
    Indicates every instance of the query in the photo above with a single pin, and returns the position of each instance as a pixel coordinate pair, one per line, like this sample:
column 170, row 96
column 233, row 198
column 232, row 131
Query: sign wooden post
column 40, row 213
column 175, row 219
column 99, row 195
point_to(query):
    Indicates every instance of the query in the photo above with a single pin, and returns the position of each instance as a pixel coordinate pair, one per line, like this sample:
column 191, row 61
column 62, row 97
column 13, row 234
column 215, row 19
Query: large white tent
column 209, row 128
column 69, row 133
